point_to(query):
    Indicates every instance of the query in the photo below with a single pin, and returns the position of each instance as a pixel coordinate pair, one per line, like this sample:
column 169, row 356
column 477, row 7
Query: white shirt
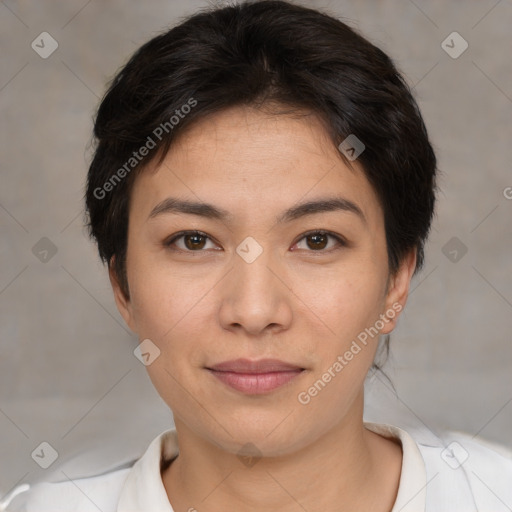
column 453, row 474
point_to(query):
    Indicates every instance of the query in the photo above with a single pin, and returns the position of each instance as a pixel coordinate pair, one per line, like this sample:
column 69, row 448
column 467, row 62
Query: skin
column 296, row 302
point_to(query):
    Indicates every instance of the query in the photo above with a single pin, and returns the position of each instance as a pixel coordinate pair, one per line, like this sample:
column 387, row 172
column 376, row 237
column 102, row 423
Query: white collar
column 143, row 488
column 412, row 488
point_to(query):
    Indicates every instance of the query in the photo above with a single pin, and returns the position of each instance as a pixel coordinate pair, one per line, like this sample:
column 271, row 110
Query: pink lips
column 255, row 377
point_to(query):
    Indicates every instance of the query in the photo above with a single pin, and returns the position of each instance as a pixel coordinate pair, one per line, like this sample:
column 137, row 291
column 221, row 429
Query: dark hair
column 263, row 53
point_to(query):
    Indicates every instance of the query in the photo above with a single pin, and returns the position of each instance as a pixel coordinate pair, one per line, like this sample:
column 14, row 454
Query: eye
column 318, row 241
column 189, row 241
column 197, row 241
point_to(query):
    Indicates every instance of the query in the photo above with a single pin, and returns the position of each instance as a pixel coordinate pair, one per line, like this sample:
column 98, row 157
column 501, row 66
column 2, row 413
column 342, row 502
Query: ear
column 122, row 301
column 398, row 291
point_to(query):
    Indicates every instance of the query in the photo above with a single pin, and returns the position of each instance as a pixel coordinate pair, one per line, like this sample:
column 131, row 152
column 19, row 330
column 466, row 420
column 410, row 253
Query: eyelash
column 341, row 241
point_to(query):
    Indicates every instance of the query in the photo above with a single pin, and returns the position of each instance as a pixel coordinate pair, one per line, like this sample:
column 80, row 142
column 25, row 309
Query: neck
column 347, row 468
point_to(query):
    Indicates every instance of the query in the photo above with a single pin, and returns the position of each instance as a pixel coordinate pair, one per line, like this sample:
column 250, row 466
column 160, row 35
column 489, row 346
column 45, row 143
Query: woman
column 262, row 189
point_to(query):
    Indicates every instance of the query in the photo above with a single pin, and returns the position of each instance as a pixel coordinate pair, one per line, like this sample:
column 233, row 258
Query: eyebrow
column 206, row 210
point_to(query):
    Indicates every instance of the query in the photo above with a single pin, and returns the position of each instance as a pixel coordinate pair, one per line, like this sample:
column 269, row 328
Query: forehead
column 245, row 160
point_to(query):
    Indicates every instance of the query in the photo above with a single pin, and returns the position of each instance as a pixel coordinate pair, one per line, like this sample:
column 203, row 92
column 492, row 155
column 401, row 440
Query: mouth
column 255, row 377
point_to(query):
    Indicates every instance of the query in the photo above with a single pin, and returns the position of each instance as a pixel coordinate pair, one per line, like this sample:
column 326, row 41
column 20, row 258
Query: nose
column 256, row 297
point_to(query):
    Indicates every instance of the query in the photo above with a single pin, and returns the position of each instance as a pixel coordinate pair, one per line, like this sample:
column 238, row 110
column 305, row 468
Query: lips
column 247, row 366
column 255, row 377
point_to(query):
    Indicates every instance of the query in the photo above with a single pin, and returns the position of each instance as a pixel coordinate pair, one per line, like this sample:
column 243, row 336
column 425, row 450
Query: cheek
column 175, row 309
column 342, row 325
column 342, row 303
column 171, row 311
column 163, row 296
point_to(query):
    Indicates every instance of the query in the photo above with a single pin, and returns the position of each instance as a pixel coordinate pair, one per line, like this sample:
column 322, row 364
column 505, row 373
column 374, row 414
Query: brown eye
column 318, row 241
column 194, row 241
column 189, row 241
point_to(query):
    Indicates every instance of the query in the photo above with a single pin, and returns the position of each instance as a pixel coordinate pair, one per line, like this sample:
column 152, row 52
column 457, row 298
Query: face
column 259, row 276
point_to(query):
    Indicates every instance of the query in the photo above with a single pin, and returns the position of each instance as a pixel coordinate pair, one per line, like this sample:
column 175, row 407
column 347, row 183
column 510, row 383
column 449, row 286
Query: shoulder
column 100, row 492
column 451, row 471
column 480, row 469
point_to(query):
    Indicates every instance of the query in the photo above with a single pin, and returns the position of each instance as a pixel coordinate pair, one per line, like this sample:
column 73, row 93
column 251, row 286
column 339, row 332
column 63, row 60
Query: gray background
column 68, row 375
